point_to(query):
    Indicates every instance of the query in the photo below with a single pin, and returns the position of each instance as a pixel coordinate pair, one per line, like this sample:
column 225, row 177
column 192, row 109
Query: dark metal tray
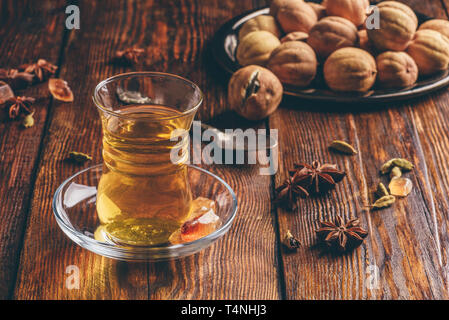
column 224, row 45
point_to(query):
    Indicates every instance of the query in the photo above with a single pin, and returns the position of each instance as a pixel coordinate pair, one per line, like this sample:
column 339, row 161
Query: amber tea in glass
column 143, row 194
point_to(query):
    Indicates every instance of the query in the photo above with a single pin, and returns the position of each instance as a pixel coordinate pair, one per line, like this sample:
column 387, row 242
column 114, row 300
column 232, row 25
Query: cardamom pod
column 384, row 202
column 382, row 191
column 343, row 147
column 28, row 121
column 79, row 157
column 396, row 162
column 387, row 166
column 403, row 164
column 396, row 172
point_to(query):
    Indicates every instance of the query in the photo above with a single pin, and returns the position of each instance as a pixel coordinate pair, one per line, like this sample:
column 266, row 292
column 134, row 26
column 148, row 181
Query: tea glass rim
column 147, row 74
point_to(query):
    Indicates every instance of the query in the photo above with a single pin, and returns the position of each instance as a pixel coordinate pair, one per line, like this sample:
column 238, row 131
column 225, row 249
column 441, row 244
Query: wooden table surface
column 407, row 243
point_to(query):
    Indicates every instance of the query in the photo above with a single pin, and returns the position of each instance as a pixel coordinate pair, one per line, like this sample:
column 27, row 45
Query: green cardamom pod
column 387, row 166
column 396, row 162
column 382, row 191
column 79, row 157
column 384, row 202
column 28, row 121
column 396, row 172
column 343, row 147
column 403, row 164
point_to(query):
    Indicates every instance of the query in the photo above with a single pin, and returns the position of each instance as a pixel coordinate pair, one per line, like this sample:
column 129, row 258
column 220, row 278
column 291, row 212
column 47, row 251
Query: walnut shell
column 350, row 70
column 319, row 9
column 440, row 25
column 295, row 36
column 254, row 92
column 276, row 4
column 260, row 23
column 353, row 10
column 365, row 43
column 330, row 34
column 396, row 70
column 398, row 24
column 256, row 47
column 430, row 50
column 296, row 16
column 294, row 62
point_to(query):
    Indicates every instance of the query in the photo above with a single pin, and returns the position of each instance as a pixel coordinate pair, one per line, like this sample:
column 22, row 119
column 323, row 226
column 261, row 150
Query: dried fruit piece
column 294, row 63
column 400, row 187
column 396, row 172
column 260, row 23
column 296, row 16
column 350, row 70
column 398, row 24
column 60, row 90
column 343, row 147
column 254, row 92
column 353, row 10
column 396, row 70
column 331, row 34
column 79, row 157
column 381, row 190
column 295, row 36
column 430, row 50
column 256, row 47
column 291, row 242
column 384, row 202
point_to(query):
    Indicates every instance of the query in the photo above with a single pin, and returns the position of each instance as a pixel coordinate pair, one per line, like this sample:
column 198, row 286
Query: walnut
column 254, row 92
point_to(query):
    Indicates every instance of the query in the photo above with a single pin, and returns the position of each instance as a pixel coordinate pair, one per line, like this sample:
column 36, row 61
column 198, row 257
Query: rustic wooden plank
column 26, row 35
column 407, row 242
column 243, row 264
column 47, row 252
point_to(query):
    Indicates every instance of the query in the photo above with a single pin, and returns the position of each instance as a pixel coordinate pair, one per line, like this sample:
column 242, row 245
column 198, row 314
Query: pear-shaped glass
column 144, row 194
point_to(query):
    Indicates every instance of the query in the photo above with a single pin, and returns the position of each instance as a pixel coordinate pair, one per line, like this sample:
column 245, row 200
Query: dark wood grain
column 76, row 126
column 407, row 242
column 25, row 36
column 175, row 36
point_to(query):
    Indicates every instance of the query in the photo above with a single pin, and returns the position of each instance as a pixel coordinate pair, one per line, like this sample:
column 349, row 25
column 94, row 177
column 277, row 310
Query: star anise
column 131, row 55
column 42, row 69
column 317, row 178
column 289, row 191
column 17, row 105
column 342, row 236
column 16, row 79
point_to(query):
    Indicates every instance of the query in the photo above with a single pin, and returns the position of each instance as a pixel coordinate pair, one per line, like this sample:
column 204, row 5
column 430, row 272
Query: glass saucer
column 74, row 206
